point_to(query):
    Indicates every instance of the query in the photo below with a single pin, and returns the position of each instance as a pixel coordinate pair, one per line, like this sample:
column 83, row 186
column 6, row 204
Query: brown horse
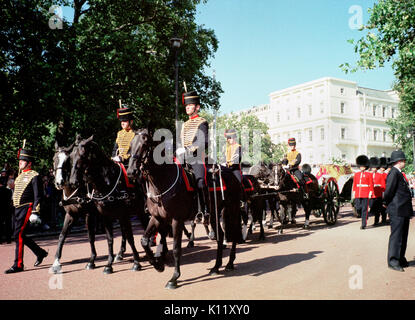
column 171, row 203
column 108, row 190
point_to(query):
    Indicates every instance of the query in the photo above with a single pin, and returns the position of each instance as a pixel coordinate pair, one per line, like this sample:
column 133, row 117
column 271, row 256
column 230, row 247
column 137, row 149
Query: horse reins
column 91, row 195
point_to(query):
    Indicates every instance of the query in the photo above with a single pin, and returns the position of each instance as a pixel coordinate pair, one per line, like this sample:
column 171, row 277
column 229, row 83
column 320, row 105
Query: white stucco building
column 331, row 118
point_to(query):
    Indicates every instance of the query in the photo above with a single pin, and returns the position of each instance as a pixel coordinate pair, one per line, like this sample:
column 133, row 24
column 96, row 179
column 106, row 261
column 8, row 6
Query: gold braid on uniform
column 20, row 185
column 189, row 132
column 123, row 141
column 231, row 153
column 292, row 156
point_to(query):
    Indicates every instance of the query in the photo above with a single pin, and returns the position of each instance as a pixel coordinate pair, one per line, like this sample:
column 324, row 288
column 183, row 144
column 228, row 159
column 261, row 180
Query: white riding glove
column 35, row 219
column 116, row 159
column 180, row 152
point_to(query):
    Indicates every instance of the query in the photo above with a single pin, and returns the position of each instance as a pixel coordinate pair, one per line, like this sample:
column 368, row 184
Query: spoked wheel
column 331, row 202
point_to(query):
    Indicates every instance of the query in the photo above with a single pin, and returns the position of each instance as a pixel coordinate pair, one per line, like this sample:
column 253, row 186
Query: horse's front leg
column 90, row 224
column 177, row 252
column 123, row 248
column 110, row 240
column 219, row 251
column 67, row 225
column 128, row 234
column 191, row 236
column 152, row 227
column 232, row 257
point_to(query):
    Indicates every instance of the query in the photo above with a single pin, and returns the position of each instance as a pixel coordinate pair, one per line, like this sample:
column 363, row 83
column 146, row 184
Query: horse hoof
column 212, row 235
column 190, row 244
column 118, row 258
column 90, row 266
column 136, row 267
column 279, row 231
column 108, row 270
column 55, row 270
column 214, row 272
column 171, row 285
column 159, row 266
column 229, row 267
column 306, row 227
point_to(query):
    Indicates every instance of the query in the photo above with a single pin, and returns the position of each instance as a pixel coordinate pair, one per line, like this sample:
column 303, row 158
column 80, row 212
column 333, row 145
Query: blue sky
column 268, row 45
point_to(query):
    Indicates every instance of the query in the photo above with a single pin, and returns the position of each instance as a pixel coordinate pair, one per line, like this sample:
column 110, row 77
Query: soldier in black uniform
column 26, row 200
column 194, row 143
column 121, row 149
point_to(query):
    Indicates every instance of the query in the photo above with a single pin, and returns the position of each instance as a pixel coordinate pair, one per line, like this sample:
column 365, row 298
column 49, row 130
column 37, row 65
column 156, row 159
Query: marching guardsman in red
column 294, row 159
column 194, row 144
column 363, row 188
column 375, row 203
column 26, row 200
column 121, row 151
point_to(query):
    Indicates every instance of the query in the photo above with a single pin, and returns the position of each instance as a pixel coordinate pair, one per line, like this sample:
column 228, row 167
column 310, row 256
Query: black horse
column 107, row 188
column 171, row 202
column 73, row 201
column 289, row 195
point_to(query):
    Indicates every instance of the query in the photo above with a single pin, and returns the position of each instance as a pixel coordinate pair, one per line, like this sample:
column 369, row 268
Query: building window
column 298, row 112
column 342, row 107
column 322, row 134
column 374, row 110
column 343, row 156
column 342, row 91
column 299, row 136
column 278, row 116
column 383, row 111
column 322, row 107
column 384, row 135
column 310, row 110
column 310, row 135
column 288, row 114
column 343, row 133
column 393, row 113
column 375, row 135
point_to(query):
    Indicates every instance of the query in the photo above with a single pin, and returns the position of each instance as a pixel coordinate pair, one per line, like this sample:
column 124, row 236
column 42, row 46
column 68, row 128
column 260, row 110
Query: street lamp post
column 364, row 118
column 176, row 44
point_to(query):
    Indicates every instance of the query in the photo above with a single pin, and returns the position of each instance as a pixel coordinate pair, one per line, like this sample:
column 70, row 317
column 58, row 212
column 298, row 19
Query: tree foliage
column 250, row 130
column 390, row 37
column 59, row 82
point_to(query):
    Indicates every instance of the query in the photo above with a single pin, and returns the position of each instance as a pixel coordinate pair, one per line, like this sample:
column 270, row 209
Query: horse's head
column 279, row 173
column 80, row 158
column 140, row 147
column 61, row 165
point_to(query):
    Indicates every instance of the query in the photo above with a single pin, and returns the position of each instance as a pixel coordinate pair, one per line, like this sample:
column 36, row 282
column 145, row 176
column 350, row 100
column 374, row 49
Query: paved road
column 339, row 262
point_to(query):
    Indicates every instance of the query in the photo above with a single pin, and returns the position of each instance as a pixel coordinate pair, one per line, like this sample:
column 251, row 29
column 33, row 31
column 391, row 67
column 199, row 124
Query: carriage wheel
column 331, row 202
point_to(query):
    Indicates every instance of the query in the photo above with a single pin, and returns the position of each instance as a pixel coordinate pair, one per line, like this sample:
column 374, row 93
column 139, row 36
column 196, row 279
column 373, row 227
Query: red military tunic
column 363, row 184
column 379, row 184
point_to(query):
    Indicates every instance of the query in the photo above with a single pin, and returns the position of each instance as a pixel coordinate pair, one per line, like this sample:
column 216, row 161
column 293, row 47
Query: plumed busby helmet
column 190, row 97
column 396, row 156
column 230, row 133
column 306, row 168
column 362, row 161
column 25, row 154
column 292, row 142
column 125, row 114
column 374, row 162
column 383, row 162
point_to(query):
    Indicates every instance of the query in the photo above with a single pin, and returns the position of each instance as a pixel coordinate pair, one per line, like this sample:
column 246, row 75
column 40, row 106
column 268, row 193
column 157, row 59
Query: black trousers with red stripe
column 362, row 206
column 21, row 221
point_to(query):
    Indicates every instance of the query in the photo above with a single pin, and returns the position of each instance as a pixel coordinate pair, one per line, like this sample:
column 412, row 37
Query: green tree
column 60, row 82
column 390, row 37
column 250, row 131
